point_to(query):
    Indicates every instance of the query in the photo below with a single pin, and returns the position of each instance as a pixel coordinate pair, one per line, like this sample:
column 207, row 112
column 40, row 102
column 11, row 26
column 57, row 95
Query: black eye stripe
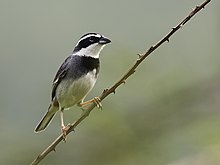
column 93, row 39
column 87, row 42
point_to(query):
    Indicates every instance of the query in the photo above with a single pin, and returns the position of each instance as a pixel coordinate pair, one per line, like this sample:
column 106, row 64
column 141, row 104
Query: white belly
column 69, row 93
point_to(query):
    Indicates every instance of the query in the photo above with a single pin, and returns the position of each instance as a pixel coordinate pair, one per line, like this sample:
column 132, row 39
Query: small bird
column 75, row 78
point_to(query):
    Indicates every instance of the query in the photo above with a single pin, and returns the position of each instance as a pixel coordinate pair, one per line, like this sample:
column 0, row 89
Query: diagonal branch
column 112, row 89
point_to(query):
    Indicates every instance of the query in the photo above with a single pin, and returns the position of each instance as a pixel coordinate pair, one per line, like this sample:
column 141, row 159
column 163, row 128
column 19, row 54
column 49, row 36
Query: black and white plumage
column 75, row 77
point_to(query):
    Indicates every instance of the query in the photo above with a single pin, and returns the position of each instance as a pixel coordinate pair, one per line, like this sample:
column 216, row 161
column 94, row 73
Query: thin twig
column 112, row 89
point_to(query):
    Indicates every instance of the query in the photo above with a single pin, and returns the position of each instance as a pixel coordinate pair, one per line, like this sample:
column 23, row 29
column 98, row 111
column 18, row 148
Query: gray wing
column 60, row 75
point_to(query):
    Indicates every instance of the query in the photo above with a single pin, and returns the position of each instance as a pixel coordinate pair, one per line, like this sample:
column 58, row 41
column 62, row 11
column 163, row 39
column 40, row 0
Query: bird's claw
column 95, row 100
column 64, row 131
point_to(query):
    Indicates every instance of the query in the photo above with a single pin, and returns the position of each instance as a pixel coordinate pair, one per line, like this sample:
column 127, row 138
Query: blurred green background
column 168, row 112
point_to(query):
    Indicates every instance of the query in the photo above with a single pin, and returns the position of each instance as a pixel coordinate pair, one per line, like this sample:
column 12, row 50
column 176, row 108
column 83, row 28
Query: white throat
column 90, row 51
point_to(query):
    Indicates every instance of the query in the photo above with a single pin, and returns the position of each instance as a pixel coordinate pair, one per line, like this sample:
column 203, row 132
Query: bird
column 75, row 78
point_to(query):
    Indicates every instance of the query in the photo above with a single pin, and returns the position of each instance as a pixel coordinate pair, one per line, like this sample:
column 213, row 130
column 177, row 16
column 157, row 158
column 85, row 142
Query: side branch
column 112, row 89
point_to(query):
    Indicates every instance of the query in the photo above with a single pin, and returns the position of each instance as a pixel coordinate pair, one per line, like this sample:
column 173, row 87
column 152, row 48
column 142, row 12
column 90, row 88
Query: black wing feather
column 61, row 73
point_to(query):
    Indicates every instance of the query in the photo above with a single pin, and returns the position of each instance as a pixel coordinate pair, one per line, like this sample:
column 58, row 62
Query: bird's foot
column 64, row 131
column 95, row 100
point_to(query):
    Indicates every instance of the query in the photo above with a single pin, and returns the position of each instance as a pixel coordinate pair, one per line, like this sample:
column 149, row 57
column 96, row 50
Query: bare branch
column 112, row 89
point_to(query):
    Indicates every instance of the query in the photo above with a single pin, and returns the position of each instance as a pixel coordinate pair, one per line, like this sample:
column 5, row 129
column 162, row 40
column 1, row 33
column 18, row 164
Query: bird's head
column 90, row 45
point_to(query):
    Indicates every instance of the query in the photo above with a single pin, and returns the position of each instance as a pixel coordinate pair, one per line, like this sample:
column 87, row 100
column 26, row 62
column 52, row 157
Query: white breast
column 71, row 92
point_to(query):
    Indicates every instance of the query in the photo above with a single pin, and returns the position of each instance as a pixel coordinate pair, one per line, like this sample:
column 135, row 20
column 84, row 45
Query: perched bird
column 75, row 78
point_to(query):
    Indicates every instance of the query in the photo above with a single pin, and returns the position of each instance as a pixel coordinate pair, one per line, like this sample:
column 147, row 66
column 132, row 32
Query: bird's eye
column 91, row 40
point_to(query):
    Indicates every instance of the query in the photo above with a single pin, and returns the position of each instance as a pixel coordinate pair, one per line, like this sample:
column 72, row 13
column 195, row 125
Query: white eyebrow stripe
column 87, row 36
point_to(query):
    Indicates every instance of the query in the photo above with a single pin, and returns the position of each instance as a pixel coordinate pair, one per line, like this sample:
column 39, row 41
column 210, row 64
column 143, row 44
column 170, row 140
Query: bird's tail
column 45, row 121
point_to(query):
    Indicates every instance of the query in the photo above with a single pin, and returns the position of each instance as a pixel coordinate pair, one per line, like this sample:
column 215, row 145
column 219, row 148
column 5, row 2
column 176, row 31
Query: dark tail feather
column 45, row 121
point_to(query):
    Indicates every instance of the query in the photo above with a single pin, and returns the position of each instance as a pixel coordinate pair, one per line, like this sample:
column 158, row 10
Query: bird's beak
column 104, row 40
